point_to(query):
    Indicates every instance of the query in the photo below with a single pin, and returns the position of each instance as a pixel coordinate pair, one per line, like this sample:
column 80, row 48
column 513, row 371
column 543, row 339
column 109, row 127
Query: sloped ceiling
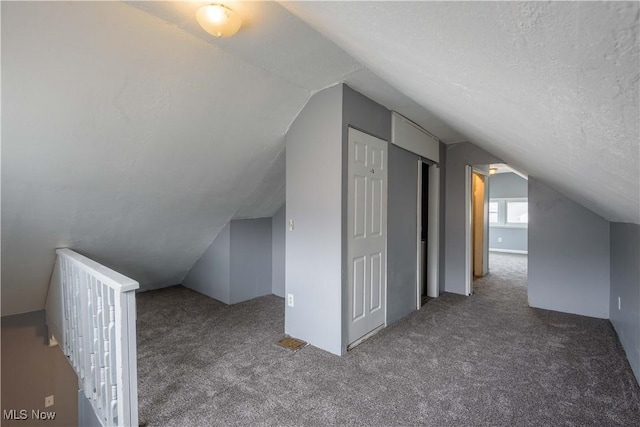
column 132, row 136
column 126, row 139
column 549, row 87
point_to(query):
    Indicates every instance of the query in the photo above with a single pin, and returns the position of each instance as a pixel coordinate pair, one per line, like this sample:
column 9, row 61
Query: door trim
column 468, row 228
column 433, row 233
column 419, row 237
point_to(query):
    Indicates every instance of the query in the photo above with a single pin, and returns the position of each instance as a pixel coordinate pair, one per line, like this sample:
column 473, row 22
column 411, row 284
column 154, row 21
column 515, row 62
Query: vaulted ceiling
column 132, row 136
column 550, row 87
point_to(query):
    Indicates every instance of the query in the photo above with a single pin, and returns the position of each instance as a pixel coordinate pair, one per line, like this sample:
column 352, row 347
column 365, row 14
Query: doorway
column 496, row 209
column 480, row 223
column 476, row 224
column 508, row 223
column 428, row 232
column 423, row 230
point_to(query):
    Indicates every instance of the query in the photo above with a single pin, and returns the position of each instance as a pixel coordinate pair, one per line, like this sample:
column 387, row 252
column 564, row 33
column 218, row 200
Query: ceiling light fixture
column 218, row 20
column 493, row 170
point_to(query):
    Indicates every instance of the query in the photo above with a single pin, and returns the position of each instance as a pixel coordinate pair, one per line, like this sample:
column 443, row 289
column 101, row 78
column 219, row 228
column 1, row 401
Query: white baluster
column 93, row 375
column 76, row 308
column 107, row 400
column 72, row 307
column 112, row 370
column 102, row 394
column 88, row 339
column 98, row 337
column 114, row 404
column 78, row 322
column 64, row 267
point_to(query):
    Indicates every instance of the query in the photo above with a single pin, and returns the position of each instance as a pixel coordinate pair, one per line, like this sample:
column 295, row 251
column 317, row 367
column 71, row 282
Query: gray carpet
column 488, row 359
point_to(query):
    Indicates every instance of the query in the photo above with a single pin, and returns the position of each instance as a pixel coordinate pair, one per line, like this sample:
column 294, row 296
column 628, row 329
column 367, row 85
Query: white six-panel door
column 366, row 234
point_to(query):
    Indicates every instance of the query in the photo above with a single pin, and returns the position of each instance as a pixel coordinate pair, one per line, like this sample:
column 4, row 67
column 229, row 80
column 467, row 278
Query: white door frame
column 468, row 225
column 485, row 235
column 468, row 229
column 419, row 237
column 433, row 233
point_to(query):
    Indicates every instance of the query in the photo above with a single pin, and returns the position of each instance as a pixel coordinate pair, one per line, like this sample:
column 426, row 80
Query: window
column 517, row 212
column 493, row 212
column 509, row 213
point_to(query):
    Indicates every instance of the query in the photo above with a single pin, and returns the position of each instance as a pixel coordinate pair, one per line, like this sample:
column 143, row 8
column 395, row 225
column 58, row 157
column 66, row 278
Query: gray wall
column 401, row 233
column 568, row 254
column 250, row 259
column 31, row 371
column 313, row 262
column 625, row 283
column 513, row 239
column 458, row 155
column 503, row 186
column 86, row 415
column 316, row 149
column 507, row 185
column 211, row 274
column 278, row 244
column 102, row 172
column 237, row 266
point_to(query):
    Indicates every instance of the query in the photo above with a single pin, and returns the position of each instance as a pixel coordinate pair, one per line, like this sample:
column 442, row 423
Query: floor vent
column 292, row 343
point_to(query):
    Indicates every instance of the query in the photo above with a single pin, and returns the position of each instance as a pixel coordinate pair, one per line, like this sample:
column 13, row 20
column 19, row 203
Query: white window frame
column 498, row 212
column 502, row 212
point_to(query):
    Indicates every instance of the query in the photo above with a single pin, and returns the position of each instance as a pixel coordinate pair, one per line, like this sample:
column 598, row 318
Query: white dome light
column 218, row 20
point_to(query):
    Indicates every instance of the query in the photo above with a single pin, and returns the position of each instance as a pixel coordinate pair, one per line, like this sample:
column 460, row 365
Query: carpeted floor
column 487, row 359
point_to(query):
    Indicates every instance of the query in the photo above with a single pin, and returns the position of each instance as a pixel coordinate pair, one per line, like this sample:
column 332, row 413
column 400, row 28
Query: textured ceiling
column 131, row 135
column 278, row 42
column 549, row 87
column 126, row 139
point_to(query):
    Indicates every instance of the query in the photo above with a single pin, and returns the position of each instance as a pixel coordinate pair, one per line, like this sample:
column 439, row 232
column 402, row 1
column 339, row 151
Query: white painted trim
column 419, row 238
column 509, row 251
column 116, row 281
column 413, row 138
column 468, row 218
column 97, row 308
column 485, row 226
column 480, row 171
column 433, row 233
column 513, row 227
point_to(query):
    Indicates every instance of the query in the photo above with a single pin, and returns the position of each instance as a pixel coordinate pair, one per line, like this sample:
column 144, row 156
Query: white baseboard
column 509, row 251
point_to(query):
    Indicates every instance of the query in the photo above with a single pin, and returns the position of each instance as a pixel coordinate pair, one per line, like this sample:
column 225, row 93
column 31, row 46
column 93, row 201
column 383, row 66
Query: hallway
column 507, row 272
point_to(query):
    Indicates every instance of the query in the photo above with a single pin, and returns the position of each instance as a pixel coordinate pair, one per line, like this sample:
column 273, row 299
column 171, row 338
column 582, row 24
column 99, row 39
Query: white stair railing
column 91, row 311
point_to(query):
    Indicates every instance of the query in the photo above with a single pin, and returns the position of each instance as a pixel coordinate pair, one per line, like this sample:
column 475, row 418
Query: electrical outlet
column 618, row 303
column 290, row 225
column 499, row 239
column 290, row 300
column 48, row 401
